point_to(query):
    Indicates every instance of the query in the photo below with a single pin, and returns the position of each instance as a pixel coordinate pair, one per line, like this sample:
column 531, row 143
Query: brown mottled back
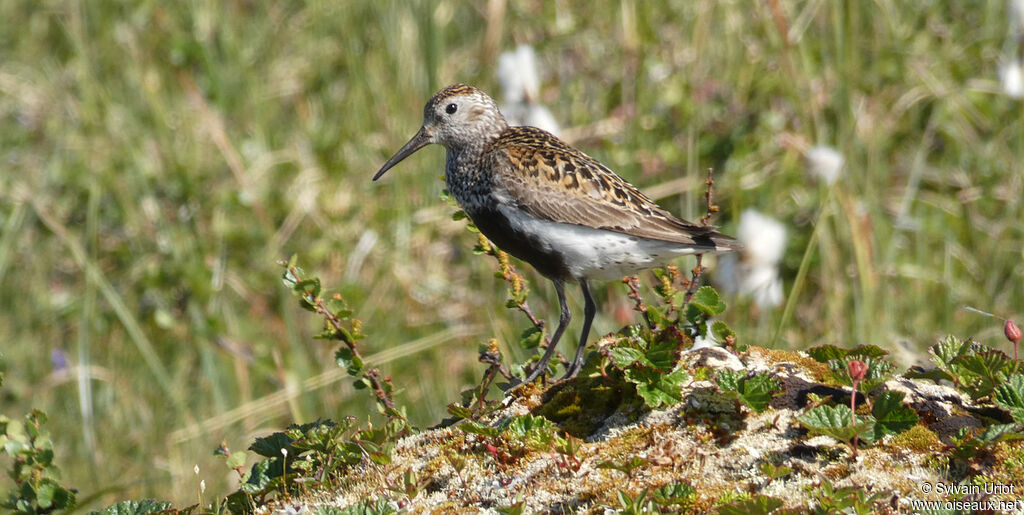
column 551, row 180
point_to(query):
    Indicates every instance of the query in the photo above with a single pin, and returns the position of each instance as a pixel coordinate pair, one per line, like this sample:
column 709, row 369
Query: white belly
column 596, row 253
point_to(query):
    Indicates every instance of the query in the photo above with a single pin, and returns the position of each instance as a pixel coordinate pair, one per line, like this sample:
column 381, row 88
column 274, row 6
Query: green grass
column 158, row 158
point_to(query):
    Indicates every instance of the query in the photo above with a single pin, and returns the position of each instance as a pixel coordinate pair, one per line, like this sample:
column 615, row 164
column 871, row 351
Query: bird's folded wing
column 550, row 180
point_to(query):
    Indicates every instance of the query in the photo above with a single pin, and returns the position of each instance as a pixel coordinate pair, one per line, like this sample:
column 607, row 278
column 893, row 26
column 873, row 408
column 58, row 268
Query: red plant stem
column 853, row 413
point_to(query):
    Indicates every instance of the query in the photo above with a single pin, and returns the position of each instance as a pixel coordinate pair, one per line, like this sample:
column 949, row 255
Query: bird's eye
column 451, row 109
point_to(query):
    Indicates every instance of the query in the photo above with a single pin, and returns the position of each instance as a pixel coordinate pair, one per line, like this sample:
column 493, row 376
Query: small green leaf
column 531, row 338
column 878, row 372
column 259, row 477
column 756, row 391
column 338, row 307
column 625, row 356
column 708, row 301
column 826, row 353
column 772, row 471
column 980, row 370
column 757, row 505
column 997, row 432
column 512, row 509
column 674, row 493
column 944, row 352
column 1009, row 396
column 479, row 429
column 933, row 374
column 625, row 466
column 527, row 424
column 460, row 411
column 835, row 421
column 308, row 287
column 270, row 446
column 891, row 415
column 657, row 388
column 143, row 507
column 721, row 331
column 656, row 317
column 868, row 351
column 45, row 492
column 237, row 459
column 662, row 354
column 348, row 360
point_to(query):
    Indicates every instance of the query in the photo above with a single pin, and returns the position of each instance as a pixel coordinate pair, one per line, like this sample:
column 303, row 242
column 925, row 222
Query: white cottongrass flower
column 1011, row 74
column 520, row 84
column 825, row 162
column 196, row 469
column 755, row 270
column 1017, row 13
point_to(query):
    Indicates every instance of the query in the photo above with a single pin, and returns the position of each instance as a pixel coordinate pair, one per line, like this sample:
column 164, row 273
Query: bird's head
column 458, row 116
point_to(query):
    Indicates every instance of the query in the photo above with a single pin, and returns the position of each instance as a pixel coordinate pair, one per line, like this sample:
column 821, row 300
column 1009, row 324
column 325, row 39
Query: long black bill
column 420, row 140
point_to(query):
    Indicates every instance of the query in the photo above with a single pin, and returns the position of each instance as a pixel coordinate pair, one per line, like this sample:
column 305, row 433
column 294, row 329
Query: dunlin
column 548, row 204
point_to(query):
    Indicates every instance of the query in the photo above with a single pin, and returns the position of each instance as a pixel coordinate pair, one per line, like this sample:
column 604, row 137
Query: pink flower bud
column 1012, row 332
column 857, row 369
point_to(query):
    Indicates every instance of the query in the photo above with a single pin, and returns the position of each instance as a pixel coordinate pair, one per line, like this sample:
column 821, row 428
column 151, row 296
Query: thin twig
column 691, row 285
column 708, row 193
column 377, row 383
column 633, row 283
column 695, row 274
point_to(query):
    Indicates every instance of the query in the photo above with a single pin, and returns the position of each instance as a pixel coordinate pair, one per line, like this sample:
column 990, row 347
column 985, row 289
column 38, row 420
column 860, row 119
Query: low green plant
column 888, row 416
column 142, row 507
column 636, row 505
column 972, row 367
column 626, row 466
column 651, row 365
column 312, row 454
column 366, row 507
column 37, row 487
column 1009, row 396
column 515, row 508
column 838, row 360
column 757, row 505
column 341, row 325
column 851, row 499
column 528, row 432
column 773, row 471
column 754, row 390
column 677, row 493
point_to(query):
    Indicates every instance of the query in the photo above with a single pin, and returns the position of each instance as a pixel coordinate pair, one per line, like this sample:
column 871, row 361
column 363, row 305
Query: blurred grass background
column 156, row 159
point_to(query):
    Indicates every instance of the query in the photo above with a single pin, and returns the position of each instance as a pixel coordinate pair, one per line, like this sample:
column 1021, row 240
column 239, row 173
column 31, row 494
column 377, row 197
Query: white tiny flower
column 196, row 469
column 755, row 271
column 764, row 284
column 1017, row 12
column 202, row 486
column 826, row 163
column 763, row 238
column 520, row 84
column 1012, row 76
column 517, row 73
column 284, row 452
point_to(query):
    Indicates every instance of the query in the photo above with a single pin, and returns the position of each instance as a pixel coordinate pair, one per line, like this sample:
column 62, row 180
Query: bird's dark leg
column 563, row 322
column 589, row 310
